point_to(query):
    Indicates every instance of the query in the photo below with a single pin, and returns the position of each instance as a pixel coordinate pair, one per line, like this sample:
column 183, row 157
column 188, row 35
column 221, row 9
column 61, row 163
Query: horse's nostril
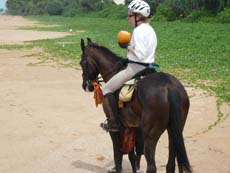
column 90, row 88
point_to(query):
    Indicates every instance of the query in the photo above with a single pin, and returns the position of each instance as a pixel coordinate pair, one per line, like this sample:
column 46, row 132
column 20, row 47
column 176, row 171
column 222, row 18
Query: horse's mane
column 105, row 50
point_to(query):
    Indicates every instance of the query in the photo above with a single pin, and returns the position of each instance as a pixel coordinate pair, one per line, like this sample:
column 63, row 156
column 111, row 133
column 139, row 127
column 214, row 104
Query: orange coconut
column 123, row 37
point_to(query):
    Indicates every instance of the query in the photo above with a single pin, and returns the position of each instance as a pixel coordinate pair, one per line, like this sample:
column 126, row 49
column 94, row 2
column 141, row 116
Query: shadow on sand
column 89, row 167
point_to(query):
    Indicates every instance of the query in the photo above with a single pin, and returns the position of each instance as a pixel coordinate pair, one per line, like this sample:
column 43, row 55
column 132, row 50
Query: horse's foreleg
column 170, row 168
column 115, row 136
column 132, row 159
column 118, row 160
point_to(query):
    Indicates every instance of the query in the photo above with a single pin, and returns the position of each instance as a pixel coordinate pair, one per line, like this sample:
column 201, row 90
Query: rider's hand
column 123, row 45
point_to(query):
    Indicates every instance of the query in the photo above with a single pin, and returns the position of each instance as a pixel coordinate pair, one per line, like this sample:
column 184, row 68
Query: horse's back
column 159, row 79
column 157, row 82
column 152, row 97
column 153, row 90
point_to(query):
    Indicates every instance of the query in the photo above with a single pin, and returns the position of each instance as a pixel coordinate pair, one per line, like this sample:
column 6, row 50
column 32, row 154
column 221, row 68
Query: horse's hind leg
column 150, row 148
column 155, row 122
column 170, row 168
column 132, row 159
column 151, row 137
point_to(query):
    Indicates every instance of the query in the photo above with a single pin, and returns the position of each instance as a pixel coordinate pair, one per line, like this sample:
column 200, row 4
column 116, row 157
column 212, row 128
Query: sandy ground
column 8, row 24
column 50, row 125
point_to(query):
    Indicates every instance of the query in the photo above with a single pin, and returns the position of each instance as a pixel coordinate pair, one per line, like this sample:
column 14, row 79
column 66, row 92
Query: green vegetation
column 55, row 7
column 169, row 10
column 198, row 53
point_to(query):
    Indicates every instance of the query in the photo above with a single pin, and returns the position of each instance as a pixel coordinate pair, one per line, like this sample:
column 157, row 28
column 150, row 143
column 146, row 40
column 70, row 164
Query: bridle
column 85, row 75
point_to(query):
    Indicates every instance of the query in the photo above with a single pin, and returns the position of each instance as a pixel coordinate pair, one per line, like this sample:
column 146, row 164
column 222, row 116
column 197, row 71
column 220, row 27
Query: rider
column 141, row 53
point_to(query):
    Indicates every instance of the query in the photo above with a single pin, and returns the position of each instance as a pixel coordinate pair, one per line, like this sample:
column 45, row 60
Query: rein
column 112, row 70
column 99, row 79
column 96, row 83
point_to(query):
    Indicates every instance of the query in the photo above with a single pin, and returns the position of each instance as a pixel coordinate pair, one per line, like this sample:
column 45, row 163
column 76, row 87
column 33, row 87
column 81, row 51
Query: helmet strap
column 136, row 21
column 135, row 17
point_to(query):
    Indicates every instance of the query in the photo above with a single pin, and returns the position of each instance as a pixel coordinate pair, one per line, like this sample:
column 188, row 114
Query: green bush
column 36, row 9
column 195, row 16
column 55, row 7
column 70, row 12
column 213, row 6
column 114, row 12
column 224, row 16
column 164, row 13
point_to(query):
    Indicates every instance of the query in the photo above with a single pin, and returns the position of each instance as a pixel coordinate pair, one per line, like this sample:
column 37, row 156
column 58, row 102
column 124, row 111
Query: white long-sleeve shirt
column 144, row 42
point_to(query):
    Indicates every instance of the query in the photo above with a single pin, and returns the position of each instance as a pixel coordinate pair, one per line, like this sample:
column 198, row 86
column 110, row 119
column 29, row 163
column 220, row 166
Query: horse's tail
column 175, row 125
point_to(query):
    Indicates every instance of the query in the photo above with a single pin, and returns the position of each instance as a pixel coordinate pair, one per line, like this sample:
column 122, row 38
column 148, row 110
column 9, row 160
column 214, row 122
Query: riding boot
column 110, row 106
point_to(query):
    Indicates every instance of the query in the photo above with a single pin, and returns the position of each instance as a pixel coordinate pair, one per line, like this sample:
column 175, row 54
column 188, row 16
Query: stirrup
column 105, row 125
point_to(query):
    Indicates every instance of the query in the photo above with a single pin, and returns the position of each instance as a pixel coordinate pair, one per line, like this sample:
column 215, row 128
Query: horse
column 160, row 102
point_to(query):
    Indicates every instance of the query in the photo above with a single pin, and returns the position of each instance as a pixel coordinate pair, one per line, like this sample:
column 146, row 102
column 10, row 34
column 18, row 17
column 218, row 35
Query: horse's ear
column 82, row 45
column 89, row 40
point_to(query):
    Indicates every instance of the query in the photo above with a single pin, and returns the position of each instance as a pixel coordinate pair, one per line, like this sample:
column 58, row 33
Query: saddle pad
column 126, row 91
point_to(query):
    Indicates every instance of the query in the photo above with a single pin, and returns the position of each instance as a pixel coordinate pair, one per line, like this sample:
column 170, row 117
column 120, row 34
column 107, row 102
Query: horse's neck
column 108, row 66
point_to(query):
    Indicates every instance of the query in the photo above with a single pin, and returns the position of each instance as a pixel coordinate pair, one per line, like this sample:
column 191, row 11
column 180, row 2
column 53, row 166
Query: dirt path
column 8, row 35
column 49, row 125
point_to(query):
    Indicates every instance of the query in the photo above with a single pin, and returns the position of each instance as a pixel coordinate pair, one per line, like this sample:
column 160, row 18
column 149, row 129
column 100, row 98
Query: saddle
column 127, row 90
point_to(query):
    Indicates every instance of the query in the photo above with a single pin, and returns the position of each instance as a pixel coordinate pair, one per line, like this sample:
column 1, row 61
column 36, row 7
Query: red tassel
column 98, row 95
column 128, row 140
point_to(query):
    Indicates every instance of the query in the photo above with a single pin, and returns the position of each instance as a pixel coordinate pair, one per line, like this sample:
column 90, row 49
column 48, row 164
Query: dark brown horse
column 159, row 103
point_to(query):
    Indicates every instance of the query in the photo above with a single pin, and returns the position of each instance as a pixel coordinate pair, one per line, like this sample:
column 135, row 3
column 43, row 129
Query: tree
column 213, row 6
column 55, row 7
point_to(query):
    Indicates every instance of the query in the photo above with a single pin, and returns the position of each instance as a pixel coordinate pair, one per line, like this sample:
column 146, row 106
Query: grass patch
column 198, row 53
column 17, row 46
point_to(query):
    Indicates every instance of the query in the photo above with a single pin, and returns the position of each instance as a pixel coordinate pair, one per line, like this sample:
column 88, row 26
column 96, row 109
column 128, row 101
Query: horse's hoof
column 112, row 170
column 139, row 171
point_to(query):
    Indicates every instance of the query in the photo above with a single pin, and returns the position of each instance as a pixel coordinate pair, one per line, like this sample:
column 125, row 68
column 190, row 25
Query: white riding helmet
column 139, row 6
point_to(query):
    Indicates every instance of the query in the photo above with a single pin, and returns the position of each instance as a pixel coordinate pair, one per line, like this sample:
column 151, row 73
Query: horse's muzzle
column 87, row 87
